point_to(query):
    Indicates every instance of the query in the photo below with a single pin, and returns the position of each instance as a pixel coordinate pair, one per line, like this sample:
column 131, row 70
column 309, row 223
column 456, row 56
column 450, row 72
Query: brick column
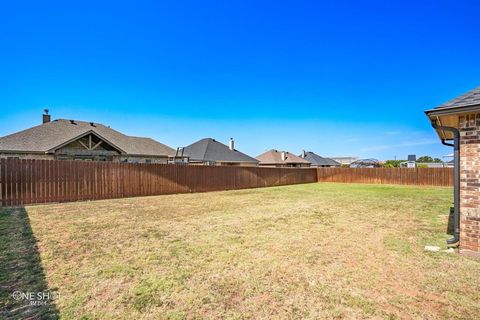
column 470, row 182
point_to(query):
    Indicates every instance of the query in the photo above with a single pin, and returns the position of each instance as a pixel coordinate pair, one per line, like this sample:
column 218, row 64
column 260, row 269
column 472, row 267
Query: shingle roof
column 470, row 98
column 49, row 136
column 317, row 160
column 209, row 149
column 275, row 157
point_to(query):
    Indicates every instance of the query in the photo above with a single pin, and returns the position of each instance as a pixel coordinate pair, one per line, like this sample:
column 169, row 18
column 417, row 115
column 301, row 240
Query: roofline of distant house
column 148, row 155
column 246, row 161
column 122, row 154
column 285, row 162
column 24, row 151
column 452, row 110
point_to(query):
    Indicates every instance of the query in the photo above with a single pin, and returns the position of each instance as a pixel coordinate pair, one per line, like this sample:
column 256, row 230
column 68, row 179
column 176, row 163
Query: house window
column 148, row 160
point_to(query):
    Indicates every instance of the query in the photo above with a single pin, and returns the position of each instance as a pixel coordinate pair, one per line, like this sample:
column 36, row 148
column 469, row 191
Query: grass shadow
column 24, row 293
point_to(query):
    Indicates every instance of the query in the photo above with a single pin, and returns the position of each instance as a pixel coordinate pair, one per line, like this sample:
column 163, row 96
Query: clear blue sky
column 334, row 77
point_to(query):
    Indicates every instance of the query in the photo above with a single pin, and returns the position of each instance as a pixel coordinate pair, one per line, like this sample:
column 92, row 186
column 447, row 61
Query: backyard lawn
column 319, row 250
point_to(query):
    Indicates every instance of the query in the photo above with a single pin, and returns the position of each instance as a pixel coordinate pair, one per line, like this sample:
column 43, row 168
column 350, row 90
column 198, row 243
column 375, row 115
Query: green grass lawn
column 306, row 251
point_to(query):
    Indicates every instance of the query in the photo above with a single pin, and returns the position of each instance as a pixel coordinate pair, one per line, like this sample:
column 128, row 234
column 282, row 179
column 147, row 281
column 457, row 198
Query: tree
column 393, row 163
column 425, row 159
column 428, row 159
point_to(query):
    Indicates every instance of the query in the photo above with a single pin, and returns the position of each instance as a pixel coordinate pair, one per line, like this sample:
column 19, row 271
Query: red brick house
column 457, row 123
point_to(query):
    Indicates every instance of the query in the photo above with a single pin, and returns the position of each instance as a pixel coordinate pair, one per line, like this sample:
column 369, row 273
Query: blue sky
column 335, row 77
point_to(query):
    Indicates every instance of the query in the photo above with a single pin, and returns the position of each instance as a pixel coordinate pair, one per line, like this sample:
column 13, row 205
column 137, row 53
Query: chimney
column 304, row 154
column 45, row 117
column 231, row 144
column 284, row 156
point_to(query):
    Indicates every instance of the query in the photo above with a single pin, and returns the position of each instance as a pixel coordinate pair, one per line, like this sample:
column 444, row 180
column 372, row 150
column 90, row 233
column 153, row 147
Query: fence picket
column 405, row 176
column 41, row 181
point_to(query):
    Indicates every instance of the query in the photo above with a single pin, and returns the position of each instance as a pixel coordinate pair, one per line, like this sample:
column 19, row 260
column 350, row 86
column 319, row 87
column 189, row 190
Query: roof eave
column 452, row 110
column 146, row 155
column 238, row 161
column 438, row 113
column 224, row 160
column 24, row 151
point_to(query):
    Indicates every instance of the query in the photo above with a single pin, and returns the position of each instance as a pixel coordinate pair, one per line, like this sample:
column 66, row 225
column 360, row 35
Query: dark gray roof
column 317, row 160
column 468, row 102
column 51, row 135
column 209, row 149
column 468, row 99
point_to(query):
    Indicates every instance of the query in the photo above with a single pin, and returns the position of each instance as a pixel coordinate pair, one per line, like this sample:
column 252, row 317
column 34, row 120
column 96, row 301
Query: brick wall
column 27, row 156
column 470, row 182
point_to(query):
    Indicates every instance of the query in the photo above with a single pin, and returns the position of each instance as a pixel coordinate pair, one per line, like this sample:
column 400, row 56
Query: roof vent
column 231, row 144
column 92, row 124
column 72, row 121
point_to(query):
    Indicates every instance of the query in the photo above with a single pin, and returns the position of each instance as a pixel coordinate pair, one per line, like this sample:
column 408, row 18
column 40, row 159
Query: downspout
column 453, row 242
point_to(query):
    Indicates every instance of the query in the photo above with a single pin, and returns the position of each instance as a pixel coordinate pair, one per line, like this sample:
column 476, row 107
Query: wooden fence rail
column 417, row 176
column 42, row 181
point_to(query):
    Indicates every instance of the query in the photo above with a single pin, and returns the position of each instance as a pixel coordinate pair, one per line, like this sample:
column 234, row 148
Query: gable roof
column 209, row 149
column 275, row 157
column 462, row 103
column 317, row 160
column 50, row 136
column 468, row 99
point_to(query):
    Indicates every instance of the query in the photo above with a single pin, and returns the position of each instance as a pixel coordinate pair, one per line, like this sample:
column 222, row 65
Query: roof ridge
column 206, row 146
column 137, row 137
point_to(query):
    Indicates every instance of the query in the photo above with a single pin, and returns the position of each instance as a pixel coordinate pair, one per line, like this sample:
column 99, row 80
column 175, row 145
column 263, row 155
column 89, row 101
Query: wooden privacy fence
column 417, row 176
column 42, row 181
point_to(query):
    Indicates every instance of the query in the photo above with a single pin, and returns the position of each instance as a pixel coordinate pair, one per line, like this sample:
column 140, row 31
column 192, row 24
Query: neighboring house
column 274, row 158
column 208, row 151
column 318, row 161
column 78, row 140
column 426, row 165
column 365, row 163
column 450, row 163
column 344, row 160
column 433, row 164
